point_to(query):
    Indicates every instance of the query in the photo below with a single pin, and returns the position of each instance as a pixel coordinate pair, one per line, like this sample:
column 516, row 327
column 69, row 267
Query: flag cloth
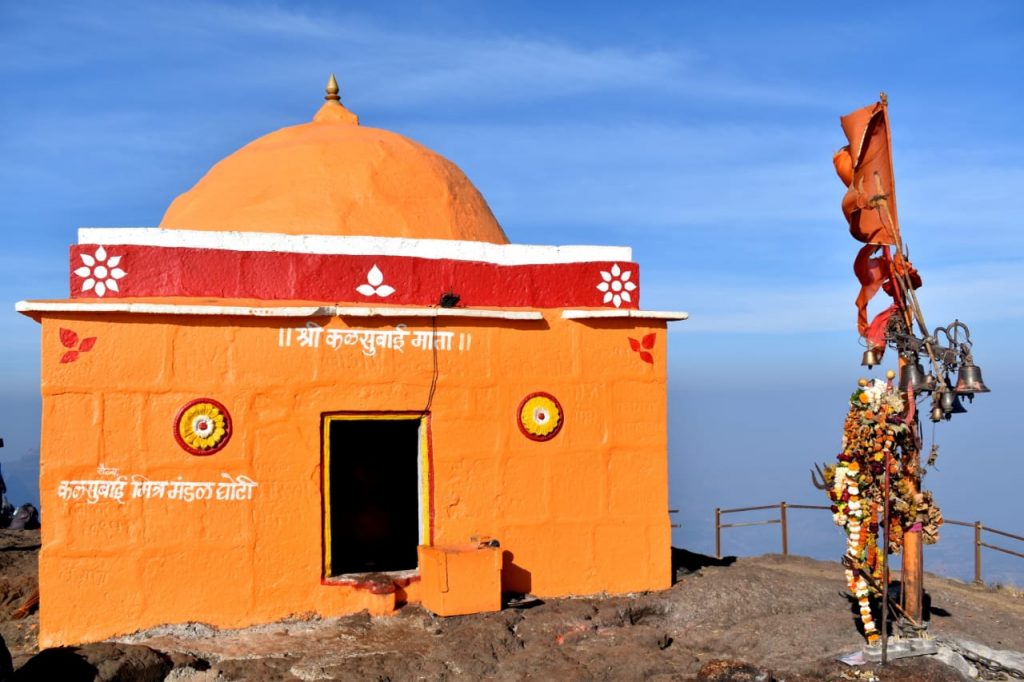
column 865, row 167
column 874, row 334
column 871, row 272
column 879, row 271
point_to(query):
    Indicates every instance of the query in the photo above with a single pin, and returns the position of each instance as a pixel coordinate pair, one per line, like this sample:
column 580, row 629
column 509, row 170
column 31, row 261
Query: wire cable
column 433, row 378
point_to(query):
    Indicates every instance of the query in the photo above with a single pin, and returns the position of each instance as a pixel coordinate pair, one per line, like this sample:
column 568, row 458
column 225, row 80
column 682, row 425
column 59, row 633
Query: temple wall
column 581, row 513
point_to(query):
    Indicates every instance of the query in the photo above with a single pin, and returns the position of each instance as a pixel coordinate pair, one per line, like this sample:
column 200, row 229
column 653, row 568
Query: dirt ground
column 19, row 573
column 786, row 617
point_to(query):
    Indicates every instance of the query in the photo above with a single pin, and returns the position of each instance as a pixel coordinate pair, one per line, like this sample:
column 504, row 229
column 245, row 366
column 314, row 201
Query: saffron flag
column 872, row 272
column 865, row 167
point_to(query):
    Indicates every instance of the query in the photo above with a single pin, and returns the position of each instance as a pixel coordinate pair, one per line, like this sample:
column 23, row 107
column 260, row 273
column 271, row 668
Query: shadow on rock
column 685, row 562
column 6, row 665
column 101, row 662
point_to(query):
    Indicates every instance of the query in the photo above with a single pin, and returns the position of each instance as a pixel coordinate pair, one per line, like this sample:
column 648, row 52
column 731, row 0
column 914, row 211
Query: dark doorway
column 372, row 494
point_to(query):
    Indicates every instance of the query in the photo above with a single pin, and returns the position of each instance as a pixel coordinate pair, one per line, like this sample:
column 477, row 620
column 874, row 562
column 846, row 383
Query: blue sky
column 701, row 134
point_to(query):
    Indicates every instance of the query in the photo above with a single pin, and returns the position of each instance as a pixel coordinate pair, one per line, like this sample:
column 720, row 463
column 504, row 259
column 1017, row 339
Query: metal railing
column 783, row 522
column 979, row 543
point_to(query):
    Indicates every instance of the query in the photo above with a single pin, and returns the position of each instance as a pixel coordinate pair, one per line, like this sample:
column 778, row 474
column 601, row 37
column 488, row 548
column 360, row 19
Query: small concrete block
column 460, row 580
column 901, row 648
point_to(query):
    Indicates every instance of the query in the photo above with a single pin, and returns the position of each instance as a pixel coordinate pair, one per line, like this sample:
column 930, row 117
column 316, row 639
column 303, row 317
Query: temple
column 328, row 383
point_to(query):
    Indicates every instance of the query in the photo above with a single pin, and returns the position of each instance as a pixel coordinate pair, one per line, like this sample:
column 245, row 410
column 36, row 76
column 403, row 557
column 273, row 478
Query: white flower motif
column 100, row 273
column 203, row 426
column 375, row 284
column 617, row 285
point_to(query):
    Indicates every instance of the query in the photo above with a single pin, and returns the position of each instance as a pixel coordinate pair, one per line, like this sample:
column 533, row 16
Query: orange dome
column 333, row 176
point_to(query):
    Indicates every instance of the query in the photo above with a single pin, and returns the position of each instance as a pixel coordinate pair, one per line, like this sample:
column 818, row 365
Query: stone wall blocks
column 230, row 562
column 623, row 552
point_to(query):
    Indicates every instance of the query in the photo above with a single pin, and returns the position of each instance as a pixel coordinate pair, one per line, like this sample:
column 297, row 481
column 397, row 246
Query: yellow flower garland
column 855, row 487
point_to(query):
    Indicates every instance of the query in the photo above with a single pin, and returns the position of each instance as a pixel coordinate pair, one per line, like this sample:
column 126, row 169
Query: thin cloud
column 739, row 174
column 449, row 67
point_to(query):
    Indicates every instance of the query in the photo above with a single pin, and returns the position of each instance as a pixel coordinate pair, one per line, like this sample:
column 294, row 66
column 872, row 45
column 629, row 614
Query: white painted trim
column 267, row 311
column 667, row 315
column 170, row 309
column 448, row 249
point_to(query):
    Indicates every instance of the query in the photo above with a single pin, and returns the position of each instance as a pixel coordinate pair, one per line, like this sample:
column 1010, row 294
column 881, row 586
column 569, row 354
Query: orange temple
column 268, row 407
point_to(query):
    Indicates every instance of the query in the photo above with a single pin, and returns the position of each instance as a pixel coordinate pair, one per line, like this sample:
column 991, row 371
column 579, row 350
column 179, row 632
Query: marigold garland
column 874, row 433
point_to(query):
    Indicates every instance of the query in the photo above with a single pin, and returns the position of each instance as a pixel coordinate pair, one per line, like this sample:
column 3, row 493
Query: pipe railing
column 979, row 543
column 782, row 520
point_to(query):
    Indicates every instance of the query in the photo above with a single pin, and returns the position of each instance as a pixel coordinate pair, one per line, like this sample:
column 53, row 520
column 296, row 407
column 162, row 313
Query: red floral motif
column 644, row 345
column 69, row 339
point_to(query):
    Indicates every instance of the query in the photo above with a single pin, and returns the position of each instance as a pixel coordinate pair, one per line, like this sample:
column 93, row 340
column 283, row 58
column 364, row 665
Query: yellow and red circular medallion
column 202, row 426
column 540, row 416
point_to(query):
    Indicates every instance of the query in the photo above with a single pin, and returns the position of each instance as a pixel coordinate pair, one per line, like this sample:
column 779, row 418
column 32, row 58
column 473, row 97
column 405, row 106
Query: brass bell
column 870, row 358
column 969, row 380
column 950, row 403
column 937, row 413
column 913, row 376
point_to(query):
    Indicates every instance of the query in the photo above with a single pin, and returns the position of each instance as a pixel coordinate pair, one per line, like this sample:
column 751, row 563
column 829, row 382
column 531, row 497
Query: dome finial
column 333, row 109
column 332, row 90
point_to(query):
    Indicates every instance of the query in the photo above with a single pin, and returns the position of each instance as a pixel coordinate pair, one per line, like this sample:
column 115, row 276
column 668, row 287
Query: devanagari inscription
column 91, row 491
column 370, row 341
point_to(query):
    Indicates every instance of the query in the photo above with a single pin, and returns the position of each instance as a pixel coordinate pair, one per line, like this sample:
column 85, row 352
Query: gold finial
column 333, row 109
column 332, row 90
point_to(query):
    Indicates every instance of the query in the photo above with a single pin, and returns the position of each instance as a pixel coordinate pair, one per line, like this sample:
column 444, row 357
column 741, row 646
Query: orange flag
column 865, row 166
column 872, row 272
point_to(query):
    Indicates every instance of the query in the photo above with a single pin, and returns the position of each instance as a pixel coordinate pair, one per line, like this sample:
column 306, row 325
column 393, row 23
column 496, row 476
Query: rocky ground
column 19, row 550
column 762, row 618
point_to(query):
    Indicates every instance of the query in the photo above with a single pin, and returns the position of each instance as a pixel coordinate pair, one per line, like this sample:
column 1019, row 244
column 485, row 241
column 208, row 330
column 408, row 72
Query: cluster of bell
column 913, row 376
column 945, row 401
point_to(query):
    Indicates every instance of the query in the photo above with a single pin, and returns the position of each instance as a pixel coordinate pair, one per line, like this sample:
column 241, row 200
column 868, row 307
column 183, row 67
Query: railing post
column 977, row 551
column 718, row 532
column 785, row 531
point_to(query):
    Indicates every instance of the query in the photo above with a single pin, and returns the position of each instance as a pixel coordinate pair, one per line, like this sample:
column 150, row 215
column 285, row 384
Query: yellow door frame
column 423, row 480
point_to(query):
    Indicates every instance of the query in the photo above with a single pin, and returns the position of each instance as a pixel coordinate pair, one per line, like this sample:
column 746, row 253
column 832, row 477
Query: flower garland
column 875, row 433
column 859, row 515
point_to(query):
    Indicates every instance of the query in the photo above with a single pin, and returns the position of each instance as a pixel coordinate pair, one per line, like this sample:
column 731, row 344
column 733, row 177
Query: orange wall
column 582, row 513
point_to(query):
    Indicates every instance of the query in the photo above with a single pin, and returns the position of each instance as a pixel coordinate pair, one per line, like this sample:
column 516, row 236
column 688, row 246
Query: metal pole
column 912, row 583
column 785, row 533
column 885, row 559
column 913, row 569
column 718, row 532
column 913, row 555
column 977, row 551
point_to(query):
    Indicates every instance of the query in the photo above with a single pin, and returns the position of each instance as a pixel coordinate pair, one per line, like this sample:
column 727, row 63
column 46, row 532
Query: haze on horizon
column 700, row 135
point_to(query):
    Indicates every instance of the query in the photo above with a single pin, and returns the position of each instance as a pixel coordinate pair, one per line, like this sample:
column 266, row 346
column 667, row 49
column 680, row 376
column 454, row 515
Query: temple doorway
column 372, row 493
